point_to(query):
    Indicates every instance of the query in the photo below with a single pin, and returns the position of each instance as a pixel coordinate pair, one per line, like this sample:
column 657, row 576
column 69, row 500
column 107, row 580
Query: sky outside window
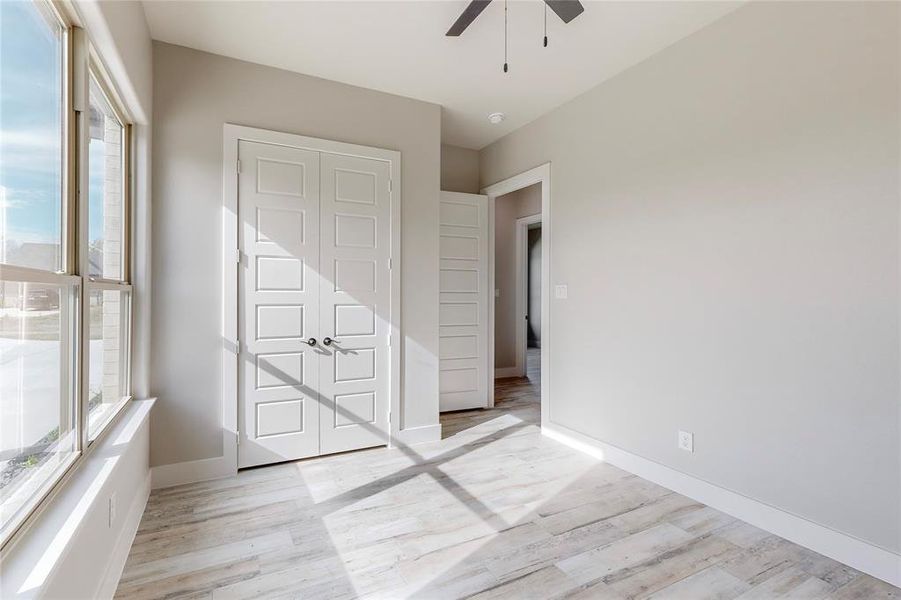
column 30, row 136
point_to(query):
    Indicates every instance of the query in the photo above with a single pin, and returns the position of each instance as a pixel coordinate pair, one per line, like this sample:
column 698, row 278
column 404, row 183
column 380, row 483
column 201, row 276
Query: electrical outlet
column 113, row 508
column 560, row 292
column 686, row 441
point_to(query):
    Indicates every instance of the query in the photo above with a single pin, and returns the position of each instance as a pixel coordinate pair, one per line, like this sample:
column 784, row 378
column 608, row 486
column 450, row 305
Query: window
column 108, row 297
column 105, row 190
column 31, row 144
column 65, row 298
column 107, row 380
column 37, row 430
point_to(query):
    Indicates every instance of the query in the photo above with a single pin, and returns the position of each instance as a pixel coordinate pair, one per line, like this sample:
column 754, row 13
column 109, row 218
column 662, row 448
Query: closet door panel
column 355, row 298
column 278, row 304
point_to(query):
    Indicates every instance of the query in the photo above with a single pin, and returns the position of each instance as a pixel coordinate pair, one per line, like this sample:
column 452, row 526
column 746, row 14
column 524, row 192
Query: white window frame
column 96, row 72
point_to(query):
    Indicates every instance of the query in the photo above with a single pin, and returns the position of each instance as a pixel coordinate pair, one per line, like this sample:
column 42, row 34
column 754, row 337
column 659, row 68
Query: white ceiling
column 400, row 47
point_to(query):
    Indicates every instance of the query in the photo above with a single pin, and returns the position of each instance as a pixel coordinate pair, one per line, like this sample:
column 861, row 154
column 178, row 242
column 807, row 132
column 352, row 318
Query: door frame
column 231, row 135
column 522, row 287
column 540, row 174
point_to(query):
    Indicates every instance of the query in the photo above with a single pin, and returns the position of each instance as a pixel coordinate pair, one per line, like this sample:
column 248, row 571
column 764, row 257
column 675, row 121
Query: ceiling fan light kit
column 567, row 10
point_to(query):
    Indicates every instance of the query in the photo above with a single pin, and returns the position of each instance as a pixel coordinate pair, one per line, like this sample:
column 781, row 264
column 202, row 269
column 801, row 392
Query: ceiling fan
column 567, row 10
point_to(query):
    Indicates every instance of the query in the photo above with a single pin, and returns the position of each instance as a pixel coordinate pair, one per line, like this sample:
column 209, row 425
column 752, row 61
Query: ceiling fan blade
column 566, row 9
column 469, row 15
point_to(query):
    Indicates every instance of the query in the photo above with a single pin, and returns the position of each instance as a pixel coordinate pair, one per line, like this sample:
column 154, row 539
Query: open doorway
column 511, row 246
column 520, row 384
column 516, row 238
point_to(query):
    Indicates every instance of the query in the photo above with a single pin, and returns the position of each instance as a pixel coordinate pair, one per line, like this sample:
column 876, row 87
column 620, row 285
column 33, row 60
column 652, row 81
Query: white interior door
column 464, row 297
column 355, row 302
column 278, row 200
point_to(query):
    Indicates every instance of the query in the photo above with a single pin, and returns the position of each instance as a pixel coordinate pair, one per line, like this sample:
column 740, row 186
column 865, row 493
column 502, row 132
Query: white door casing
column 463, row 302
column 355, row 296
column 540, row 174
column 279, row 240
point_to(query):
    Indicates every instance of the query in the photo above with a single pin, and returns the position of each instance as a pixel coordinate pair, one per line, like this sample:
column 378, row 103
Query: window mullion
column 99, row 282
column 70, row 157
column 127, row 133
column 80, row 109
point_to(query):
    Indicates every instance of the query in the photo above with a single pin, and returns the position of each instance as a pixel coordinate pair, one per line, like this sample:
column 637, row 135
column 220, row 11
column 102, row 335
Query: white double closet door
column 314, row 303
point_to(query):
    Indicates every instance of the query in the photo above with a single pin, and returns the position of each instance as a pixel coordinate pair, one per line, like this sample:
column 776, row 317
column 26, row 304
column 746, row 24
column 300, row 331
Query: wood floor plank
column 654, row 574
column 600, row 563
column 547, row 582
column 712, row 583
column 866, row 588
column 793, row 582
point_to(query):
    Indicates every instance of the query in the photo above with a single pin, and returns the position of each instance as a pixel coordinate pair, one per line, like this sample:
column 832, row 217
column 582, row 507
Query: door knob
column 328, row 341
column 312, row 341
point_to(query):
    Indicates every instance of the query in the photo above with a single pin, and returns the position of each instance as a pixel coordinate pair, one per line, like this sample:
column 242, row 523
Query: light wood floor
column 494, row 510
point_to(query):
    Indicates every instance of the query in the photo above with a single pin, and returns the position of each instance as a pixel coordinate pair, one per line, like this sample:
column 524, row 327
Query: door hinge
column 390, row 263
column 237, row 256
column 238, row 167
column 390, row 185
column 239, row 437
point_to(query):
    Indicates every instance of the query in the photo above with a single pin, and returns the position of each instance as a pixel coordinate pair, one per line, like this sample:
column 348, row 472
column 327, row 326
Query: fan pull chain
column 545, row 24
column 505, row 36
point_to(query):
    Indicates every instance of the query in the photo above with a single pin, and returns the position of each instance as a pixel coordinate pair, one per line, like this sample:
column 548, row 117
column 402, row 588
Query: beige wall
column 459, row 169
column 194, row 94
column 507, row 209
column 726, row 216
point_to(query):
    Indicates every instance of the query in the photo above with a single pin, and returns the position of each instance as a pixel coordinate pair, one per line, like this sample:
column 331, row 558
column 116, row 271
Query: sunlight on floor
column 471, row 502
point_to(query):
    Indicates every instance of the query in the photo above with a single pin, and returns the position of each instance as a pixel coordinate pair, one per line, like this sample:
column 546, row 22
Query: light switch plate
column 560, row 292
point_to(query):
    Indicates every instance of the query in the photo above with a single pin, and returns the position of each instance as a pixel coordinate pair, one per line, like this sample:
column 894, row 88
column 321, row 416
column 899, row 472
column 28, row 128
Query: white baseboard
column 856, row 553
column 206, row 469
column 418, row 435
column 193, row 471
column 507, row 372
column 116, row 562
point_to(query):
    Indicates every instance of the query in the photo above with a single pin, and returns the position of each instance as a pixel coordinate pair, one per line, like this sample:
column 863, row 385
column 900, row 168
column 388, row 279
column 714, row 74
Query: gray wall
column 507, row 209
column 459, row 169
column 194, row 94
column 726, row 216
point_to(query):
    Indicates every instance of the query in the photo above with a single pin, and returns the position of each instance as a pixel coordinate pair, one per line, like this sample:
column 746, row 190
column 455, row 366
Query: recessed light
column 495, row 118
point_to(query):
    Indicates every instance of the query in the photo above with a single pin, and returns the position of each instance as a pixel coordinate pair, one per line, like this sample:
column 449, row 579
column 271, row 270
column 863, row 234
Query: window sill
column 79, row 510
column 99, row 424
